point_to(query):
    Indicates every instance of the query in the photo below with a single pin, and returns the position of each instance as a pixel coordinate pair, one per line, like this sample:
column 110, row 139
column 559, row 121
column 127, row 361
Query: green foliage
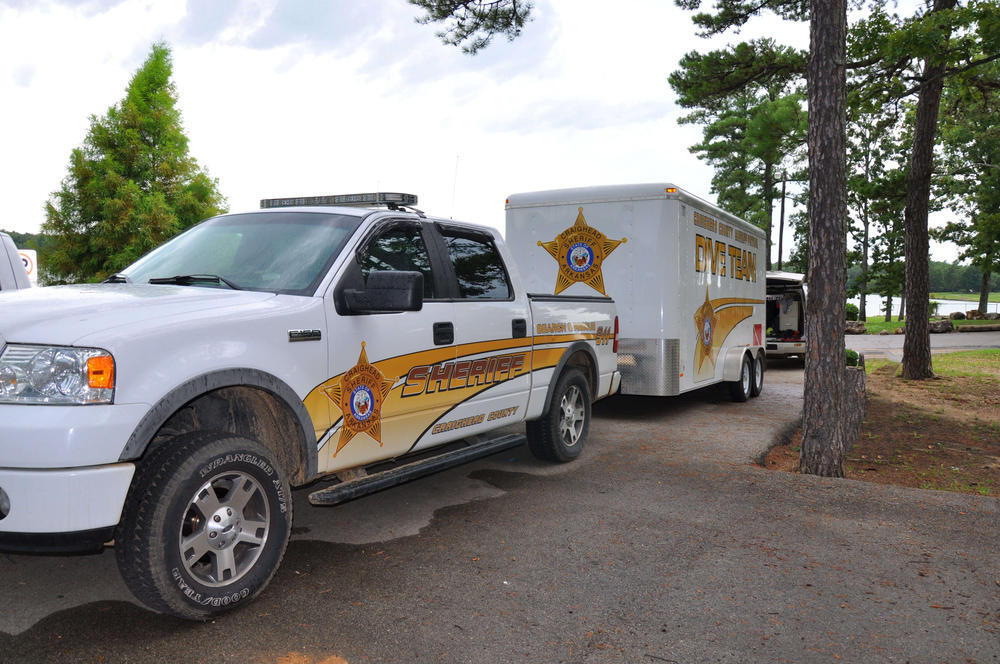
column 733, row 14
column 853, row 358
column 852, row 311
column 970, row 137
column 747, row 99
column 472, row 24
column 131, row 185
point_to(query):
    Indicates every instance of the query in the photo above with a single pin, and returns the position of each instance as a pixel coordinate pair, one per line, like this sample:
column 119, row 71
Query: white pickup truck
column 172, row 407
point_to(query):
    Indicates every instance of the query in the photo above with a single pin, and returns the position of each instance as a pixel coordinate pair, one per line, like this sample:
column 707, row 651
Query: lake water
column 874, row 306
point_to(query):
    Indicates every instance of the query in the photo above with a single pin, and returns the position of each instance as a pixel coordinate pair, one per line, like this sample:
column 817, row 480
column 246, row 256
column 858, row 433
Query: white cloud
column 297, row 97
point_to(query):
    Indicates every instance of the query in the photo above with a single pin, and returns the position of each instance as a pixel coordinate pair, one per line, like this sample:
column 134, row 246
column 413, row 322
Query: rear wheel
column 205, row 525
column 739, row 390
column 757, row 381
column 560, row 434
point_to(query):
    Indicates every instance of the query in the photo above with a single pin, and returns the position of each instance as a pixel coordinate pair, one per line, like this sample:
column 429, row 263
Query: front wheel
column 205, row 525
column 739, row 390
column 560, row 434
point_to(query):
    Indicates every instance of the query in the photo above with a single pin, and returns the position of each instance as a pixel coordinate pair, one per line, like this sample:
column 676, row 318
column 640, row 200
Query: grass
column 969, row 363
column 875, row 325
column 984, row 364
column 965, row 297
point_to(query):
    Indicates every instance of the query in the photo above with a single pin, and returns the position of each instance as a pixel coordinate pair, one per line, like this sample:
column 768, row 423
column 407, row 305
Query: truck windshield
column 281, row 252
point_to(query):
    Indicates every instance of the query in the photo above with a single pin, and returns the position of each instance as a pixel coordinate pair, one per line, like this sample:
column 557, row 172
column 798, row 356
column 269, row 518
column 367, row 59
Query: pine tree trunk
column 984, row 291
column 823, row 435
column 917, row 344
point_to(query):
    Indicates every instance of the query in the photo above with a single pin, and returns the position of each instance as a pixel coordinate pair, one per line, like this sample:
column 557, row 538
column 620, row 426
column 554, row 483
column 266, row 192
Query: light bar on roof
column 388, row 198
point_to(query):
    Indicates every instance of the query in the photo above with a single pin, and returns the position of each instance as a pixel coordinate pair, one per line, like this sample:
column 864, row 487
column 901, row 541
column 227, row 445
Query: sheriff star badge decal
column 579, row 251
column 359, row 396
column 705, row 321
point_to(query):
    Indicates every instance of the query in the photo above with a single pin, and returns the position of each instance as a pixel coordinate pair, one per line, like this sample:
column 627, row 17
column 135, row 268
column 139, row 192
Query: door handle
column 444, row 333
column 519, row 328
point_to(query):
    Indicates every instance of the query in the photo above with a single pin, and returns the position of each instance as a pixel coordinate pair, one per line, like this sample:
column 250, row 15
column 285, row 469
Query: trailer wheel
column 205, row 525
column 739, row 389
column 757, row 382
column 560, row 434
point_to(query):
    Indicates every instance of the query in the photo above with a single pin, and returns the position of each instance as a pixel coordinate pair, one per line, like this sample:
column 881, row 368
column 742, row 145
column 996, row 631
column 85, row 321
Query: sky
column 313, row 97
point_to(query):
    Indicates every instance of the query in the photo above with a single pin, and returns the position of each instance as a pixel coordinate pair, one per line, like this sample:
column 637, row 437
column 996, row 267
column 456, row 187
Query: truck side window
column 478, row 267
column 400, row 248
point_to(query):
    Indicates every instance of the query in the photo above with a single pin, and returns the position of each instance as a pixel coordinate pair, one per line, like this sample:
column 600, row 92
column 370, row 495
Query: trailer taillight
column 614, row 346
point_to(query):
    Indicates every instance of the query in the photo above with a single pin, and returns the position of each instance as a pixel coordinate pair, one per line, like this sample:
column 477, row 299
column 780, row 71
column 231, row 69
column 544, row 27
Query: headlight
column 56, row 375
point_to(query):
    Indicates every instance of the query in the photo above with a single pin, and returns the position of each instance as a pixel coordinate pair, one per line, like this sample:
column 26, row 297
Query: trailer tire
column 739, row 389
column 757, row 375
column 205, row 525
column 561, row 432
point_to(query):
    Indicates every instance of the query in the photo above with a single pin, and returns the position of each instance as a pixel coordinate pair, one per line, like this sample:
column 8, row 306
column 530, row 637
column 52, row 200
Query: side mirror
column 387, row 292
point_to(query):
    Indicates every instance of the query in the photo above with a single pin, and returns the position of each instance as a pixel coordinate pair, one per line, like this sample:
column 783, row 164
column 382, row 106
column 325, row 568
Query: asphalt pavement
column 663, row 543
column 890, row 346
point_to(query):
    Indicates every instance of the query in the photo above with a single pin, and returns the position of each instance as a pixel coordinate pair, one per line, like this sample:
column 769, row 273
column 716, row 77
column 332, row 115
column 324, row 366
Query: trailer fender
column 733, row 362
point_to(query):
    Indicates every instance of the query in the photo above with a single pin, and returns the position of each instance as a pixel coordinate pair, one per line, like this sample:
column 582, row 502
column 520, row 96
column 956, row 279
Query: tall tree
column 917, row 344
column 472, row 24
column 131, row 185
column 971, row 182
column 747, row 99
column 824, row 443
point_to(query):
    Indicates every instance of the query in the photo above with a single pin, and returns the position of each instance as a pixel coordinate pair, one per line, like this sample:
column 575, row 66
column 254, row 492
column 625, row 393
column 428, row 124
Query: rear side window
column 480, row 271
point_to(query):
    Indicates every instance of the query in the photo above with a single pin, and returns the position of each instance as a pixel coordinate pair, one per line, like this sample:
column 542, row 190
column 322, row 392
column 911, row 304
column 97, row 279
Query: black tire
column 560, row 434
column 739, row 389
column 204, row 488
column 757, row 375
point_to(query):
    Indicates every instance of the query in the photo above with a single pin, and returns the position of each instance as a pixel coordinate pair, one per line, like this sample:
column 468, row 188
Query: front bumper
column 63, row 501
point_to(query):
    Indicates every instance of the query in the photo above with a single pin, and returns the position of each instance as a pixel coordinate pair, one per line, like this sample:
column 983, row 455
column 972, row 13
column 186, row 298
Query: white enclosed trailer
column 687, row 276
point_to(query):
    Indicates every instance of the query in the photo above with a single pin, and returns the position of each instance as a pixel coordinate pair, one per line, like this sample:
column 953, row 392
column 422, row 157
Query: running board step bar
column 355, row 488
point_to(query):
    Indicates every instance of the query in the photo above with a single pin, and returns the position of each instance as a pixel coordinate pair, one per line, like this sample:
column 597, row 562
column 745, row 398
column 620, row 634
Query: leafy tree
column 131, row 185
column 754, row 123
column 472, row 24
column 971, row 142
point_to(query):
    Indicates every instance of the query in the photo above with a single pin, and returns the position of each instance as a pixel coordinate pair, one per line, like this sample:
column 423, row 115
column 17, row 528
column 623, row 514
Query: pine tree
column 131, row 185
column 472, row 24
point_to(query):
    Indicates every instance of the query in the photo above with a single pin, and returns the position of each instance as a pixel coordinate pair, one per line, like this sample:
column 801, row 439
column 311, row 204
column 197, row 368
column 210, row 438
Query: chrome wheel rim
column 745, row 377
column 758, row 375
column 224, row 529
column 572, row 416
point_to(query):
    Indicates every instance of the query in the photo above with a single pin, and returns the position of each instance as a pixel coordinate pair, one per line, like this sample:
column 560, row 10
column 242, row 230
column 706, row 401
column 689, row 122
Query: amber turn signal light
column 101, row 372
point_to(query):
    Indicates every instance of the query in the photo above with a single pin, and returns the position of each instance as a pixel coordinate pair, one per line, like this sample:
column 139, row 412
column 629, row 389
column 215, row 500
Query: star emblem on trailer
column 706, row 322
column 359, row 395
column 579, row 251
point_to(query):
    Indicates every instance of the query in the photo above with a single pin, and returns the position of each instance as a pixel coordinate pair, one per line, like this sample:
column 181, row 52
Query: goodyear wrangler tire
column 757, row 375
column 560, row 434
column 739, row 389
column 205, row 525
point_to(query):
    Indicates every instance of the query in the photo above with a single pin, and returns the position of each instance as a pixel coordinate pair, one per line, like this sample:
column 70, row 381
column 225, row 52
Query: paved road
column 662, row 544
column 891, row 345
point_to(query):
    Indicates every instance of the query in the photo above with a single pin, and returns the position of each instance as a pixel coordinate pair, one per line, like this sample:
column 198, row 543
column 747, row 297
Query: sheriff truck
column 349, row 337
column 688, row 279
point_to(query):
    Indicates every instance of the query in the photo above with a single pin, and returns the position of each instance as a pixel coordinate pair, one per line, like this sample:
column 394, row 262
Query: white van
column 688, row 279
column 786, row 310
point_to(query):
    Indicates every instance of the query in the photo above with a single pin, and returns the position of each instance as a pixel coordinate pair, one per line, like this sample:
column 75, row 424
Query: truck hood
column 67, row 315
